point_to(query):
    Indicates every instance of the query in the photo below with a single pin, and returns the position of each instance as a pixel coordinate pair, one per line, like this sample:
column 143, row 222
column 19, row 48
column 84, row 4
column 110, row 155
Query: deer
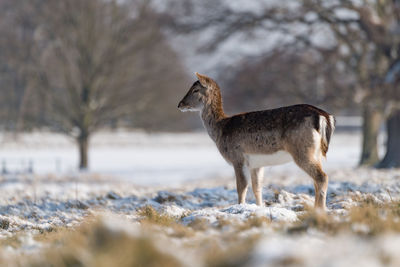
column 252, row 140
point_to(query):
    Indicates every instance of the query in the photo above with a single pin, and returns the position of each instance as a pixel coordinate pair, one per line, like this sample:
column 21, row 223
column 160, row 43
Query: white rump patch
column 322, row 126
column 317, row 146
column 261, row 160
column 332, row 122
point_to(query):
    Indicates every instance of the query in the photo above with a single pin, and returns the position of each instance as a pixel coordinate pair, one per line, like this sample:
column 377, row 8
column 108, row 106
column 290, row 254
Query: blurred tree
column 365, row 35
column 284, row 77
column 369, row 31
column 96, row 66
column 392, row 156
column 16, row 35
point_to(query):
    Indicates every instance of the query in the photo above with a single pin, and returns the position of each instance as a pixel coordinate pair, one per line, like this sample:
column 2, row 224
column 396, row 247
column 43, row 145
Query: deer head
column 198, row 94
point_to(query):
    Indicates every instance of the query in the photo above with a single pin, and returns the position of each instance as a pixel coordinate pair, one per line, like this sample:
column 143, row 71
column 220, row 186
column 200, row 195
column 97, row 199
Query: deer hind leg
column 309, row 159
column 320, row 180
column 241, row 183
column 257, row 176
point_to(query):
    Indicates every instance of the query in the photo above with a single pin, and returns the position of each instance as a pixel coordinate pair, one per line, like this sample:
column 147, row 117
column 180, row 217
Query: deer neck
column 212, row 114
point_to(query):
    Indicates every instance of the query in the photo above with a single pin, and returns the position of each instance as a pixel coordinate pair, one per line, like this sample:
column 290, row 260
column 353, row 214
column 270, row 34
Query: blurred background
column 94, row 84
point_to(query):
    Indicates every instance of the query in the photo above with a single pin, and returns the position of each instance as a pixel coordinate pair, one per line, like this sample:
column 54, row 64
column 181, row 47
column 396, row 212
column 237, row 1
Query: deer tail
column 326, row 127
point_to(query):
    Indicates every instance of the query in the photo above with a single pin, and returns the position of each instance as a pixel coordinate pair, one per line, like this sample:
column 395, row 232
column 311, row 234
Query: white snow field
column 182, row 176
column 145, row 159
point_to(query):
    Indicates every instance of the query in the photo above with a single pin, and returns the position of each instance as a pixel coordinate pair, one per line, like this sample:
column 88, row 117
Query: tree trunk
column 83, row 143
column 392, row 157
column 372, row 119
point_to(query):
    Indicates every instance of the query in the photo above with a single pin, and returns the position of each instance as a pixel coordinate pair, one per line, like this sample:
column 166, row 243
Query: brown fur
column 263, row 132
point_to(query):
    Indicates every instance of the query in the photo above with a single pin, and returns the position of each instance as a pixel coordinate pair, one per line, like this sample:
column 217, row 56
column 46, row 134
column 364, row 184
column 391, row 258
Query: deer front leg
column 241, row 184
column 257, row 176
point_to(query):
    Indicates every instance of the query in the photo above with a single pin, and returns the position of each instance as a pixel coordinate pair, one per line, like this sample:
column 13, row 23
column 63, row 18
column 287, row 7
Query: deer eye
column 195, row 90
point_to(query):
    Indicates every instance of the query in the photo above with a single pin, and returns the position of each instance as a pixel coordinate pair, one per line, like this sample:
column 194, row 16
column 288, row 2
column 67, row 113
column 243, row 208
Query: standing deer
column 249, row 141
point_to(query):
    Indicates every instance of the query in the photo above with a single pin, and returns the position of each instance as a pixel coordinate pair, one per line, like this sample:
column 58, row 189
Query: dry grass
column 228, row 247
column 199, row 224
column 254, row 221
column 223, row 223
column 94, row 244
column 368, row 218
column 13, row 241
column 51, row 235
column 375, row 218
column 314, row 219
column 150, row 215
column 234, row 225
column 235, row 252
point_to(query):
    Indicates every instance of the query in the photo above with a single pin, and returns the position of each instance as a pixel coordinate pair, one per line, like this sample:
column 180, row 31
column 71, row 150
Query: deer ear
column 204, row 80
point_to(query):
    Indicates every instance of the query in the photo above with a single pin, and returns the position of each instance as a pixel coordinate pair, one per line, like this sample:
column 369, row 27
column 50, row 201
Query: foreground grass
column 368, row 218
column 96, row 244
column 150, row 215
column 99, row 242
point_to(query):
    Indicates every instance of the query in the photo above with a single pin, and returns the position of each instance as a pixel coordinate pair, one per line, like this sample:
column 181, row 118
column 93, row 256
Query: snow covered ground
column 182, row 176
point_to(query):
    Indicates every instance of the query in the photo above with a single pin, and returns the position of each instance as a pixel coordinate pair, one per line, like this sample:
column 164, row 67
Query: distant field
column 146, row 159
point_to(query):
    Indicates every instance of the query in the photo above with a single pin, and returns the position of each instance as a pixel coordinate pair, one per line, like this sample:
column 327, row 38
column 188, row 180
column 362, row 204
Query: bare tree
column 392, row 156
column 365, row 34
column 372, row 46
column 93, row 60
column 284, row 77
column 16, row 49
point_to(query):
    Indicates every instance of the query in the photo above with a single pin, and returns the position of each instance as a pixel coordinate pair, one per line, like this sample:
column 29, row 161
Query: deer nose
column 180, row 104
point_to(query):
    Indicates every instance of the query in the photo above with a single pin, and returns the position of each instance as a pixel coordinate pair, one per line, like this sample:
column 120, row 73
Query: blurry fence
column 29, row 166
